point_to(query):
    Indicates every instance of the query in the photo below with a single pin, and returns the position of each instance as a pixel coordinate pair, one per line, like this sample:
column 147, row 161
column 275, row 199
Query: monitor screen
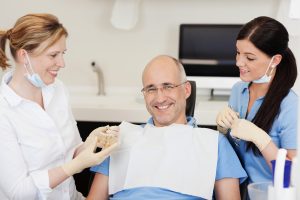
column 209, row 49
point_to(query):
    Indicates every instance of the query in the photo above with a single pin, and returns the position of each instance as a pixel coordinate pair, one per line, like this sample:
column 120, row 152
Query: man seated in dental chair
column 169, row 157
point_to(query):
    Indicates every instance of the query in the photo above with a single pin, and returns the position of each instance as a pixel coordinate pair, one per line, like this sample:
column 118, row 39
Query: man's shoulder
column 207, row 131
column 207, row 134
column 222, row 139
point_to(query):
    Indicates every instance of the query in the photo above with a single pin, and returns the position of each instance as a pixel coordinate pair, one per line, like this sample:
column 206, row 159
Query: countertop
column 124, row 105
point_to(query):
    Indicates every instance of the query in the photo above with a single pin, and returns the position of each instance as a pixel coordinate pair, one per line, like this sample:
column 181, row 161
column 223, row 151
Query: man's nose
column 160, row 95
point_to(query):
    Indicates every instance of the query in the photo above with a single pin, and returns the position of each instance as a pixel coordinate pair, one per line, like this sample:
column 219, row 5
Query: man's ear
column 188, row 89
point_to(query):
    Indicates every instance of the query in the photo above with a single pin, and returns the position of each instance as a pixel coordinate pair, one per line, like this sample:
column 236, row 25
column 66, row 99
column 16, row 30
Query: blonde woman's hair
column 29, row 32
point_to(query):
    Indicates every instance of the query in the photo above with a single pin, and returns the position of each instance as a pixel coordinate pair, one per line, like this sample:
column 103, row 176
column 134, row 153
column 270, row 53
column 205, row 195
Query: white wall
column 295, row 46
column 123, row 54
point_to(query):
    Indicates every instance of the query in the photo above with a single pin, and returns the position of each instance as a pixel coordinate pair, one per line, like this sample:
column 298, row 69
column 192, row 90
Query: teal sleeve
column 102, row 168
column 228, row 165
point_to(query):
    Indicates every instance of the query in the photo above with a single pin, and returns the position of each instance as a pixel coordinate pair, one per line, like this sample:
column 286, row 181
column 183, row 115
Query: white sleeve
column 15, row 180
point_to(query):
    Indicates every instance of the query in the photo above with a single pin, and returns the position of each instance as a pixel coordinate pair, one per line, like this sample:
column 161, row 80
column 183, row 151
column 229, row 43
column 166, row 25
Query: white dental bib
column 177, row 157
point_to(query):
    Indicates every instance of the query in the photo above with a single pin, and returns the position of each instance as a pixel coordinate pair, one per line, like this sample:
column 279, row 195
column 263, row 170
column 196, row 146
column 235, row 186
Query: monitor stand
column 219, row 95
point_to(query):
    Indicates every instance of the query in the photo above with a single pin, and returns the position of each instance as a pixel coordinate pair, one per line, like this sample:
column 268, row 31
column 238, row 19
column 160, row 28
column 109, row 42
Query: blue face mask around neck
column 33, row 78
column 266, row 78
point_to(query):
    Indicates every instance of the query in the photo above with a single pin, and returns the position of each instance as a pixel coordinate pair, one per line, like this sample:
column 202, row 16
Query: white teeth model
column 109, row 137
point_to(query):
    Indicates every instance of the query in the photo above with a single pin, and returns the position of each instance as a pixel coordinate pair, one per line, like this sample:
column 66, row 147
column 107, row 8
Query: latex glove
column 225, row 119
column 246, row 130
column 95, row 133
column 106, row 136
column 87, row 157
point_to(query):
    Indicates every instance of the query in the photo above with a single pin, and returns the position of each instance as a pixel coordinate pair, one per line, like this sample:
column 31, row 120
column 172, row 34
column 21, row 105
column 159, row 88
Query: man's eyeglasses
column 166, row 88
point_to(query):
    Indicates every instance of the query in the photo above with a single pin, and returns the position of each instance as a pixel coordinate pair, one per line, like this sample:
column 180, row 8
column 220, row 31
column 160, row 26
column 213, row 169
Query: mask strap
column 29, row 63
column 272, row 68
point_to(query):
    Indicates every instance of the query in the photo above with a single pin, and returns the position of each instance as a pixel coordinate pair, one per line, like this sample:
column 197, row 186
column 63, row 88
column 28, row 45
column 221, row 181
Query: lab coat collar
column 10, row 96
column 47, row 93
column 13, row 99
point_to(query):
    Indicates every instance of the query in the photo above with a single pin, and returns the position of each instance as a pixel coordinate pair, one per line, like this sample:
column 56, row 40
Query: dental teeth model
column 109, row 137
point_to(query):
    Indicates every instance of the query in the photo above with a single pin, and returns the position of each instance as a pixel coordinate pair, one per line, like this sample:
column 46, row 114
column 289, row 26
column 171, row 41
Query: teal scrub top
column 283, row 131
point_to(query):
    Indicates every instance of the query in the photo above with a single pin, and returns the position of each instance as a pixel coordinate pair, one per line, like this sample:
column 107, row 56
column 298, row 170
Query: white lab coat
column 33, row 140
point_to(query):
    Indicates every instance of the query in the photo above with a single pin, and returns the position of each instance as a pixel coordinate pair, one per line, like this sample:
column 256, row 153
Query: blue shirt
column 228, row 166
column 283, row 131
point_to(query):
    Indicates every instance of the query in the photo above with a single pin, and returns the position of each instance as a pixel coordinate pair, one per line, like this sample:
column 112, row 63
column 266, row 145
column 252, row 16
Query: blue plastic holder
column 287, row 172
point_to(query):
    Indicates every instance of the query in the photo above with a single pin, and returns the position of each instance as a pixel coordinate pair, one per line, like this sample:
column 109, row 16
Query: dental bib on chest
column 177, row 157
column 33, row 78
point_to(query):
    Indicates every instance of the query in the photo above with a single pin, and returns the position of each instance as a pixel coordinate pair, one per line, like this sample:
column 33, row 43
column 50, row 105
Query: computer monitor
column 207, row 52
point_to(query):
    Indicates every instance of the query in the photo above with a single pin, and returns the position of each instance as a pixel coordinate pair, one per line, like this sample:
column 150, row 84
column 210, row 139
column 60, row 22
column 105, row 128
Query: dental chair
column 191, row 100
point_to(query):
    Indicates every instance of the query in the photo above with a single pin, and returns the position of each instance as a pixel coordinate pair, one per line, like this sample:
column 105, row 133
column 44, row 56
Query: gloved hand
column 246, row 130
column 87, row 157
column 95, row 133
column 225, row 118
column 106, row 135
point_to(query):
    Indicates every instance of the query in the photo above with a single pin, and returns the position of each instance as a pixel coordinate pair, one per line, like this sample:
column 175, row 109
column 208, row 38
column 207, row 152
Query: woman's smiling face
column 48, row 63
column 251, row 62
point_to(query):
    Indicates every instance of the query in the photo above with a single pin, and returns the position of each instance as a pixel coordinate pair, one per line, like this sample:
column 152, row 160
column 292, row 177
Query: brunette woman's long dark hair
column 271, row 37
